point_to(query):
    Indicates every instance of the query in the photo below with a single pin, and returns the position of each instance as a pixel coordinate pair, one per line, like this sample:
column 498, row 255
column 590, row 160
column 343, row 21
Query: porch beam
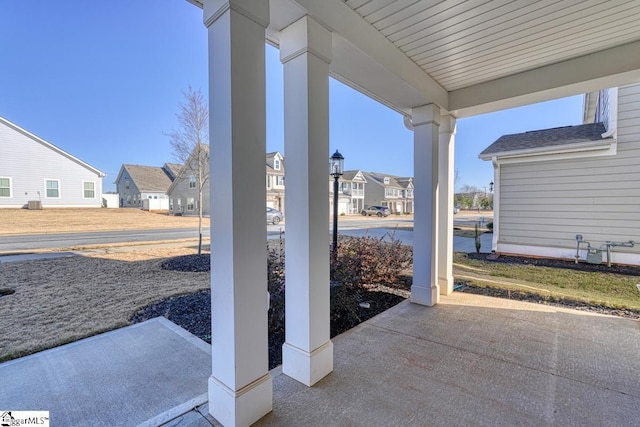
column 607, row 68
column 240, row 386
column 305, row 51
column 426, row 123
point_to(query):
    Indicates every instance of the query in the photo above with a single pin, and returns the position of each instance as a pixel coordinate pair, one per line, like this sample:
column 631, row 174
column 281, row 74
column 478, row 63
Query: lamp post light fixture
column 491, row 187
column 336, row 169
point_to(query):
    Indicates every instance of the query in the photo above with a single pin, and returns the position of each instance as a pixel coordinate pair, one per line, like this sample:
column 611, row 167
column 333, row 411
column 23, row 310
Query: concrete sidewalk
column 460, row 244
column 144, row 374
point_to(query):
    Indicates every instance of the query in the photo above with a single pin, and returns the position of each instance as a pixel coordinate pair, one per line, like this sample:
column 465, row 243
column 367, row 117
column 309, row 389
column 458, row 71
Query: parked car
column 376, row 210
column 274, row 216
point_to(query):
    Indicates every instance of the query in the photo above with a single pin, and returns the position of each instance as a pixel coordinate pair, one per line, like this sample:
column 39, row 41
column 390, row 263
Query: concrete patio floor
column 471, row 360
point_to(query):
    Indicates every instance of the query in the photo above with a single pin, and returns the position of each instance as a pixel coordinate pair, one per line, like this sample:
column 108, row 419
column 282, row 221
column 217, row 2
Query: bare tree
column 189, row 144
column 456, row 178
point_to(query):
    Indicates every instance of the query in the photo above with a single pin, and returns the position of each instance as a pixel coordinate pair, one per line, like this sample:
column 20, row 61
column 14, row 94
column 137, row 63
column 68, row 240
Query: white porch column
column 445, row 204
column 305, row 51
column 240, row 387
column 426, row 123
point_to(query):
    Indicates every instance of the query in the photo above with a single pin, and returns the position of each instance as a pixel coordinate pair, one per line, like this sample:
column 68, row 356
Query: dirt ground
column 24, row 221
column 62, row 300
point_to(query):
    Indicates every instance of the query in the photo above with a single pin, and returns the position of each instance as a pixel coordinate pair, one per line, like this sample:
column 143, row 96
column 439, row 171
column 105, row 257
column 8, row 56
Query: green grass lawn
column 607, row 289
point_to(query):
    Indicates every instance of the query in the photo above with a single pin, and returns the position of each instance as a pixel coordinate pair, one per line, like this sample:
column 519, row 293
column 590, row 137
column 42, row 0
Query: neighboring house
column 136, row 183
column 555, row 184
column 183, row 192
column 394, row 192
column 34, row 170
column 172, row 169
column 351, row 192
column 275, row 181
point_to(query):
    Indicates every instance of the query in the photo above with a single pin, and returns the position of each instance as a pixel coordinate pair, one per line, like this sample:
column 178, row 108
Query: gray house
column 394, row 192
column 34, row 170
column 183, row 191
column 136, row 183
column 552, row 185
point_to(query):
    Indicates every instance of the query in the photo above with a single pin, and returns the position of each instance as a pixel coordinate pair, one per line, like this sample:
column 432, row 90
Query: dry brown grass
column 61, row 300
column 23, row 221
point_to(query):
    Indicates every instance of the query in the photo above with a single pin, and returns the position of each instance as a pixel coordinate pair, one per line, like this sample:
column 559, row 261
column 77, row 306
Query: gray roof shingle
column 544, row 138
column 149, row 178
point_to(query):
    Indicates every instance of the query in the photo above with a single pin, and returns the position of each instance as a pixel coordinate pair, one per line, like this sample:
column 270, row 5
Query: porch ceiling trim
column 608, row 68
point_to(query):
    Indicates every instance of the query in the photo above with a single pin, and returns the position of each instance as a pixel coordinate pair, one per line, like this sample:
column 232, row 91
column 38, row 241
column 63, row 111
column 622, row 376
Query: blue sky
column 103, row 80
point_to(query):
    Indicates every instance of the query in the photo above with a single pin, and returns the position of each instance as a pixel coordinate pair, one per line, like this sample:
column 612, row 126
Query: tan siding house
column 555, row 184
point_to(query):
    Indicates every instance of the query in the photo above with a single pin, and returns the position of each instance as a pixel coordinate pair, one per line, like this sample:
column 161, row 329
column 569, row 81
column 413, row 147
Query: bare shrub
column 368, row 260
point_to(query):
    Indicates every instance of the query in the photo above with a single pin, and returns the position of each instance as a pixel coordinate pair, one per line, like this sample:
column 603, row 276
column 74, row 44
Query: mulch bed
column 558, row 263
column 351, row 305
column 193, row 263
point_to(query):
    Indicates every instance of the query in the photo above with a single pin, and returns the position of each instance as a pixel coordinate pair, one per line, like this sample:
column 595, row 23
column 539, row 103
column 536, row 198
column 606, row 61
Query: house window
column 126, row 184
column 190, row 203
column 409, row 193
column 192, row 181
column 5, row 187
column 388, row 192
column 276, row 164
column 89, row 189
column 268, row 181
column 171, row 204
column 128, row 199
column 386, row 180
column 280, row 180
column 53, row 188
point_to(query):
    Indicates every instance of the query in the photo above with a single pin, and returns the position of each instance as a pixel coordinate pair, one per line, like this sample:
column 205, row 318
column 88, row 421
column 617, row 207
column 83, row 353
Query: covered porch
column 471, row 360
column 431, row 62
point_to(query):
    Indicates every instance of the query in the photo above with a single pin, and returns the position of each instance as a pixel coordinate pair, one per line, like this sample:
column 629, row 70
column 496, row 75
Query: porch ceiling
column 474, row 56
column 462, row 43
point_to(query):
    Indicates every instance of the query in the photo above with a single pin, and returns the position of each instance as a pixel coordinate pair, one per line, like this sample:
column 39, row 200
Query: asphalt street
column 354, row 226
column 13, row 243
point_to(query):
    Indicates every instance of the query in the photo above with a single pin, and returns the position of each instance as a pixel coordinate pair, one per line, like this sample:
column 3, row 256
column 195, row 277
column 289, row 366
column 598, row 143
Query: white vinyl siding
column 30, row 162
column 548, row 203
column 88, row 189
column 5, row 187
column 52, row 189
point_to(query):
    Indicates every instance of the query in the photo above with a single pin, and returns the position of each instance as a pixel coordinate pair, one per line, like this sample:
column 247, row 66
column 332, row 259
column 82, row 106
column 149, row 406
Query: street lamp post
column 336, row 168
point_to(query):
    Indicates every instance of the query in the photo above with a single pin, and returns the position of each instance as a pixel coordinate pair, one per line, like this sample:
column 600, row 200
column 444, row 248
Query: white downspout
column 496, row 204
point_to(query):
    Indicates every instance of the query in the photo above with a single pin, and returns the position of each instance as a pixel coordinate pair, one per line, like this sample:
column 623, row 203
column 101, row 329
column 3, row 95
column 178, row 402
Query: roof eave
column 556, row 149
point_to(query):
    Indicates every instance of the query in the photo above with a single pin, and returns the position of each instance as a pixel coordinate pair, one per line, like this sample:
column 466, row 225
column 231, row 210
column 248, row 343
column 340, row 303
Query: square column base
column 243, row 407
column 423, row 295
column 307, row 368
column 446, row 285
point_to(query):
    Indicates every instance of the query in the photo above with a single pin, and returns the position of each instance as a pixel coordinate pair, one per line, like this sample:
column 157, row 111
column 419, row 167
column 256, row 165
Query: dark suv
column 376, row 210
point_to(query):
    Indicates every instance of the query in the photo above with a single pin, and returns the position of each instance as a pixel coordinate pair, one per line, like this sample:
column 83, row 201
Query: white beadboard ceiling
column 462, row 43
